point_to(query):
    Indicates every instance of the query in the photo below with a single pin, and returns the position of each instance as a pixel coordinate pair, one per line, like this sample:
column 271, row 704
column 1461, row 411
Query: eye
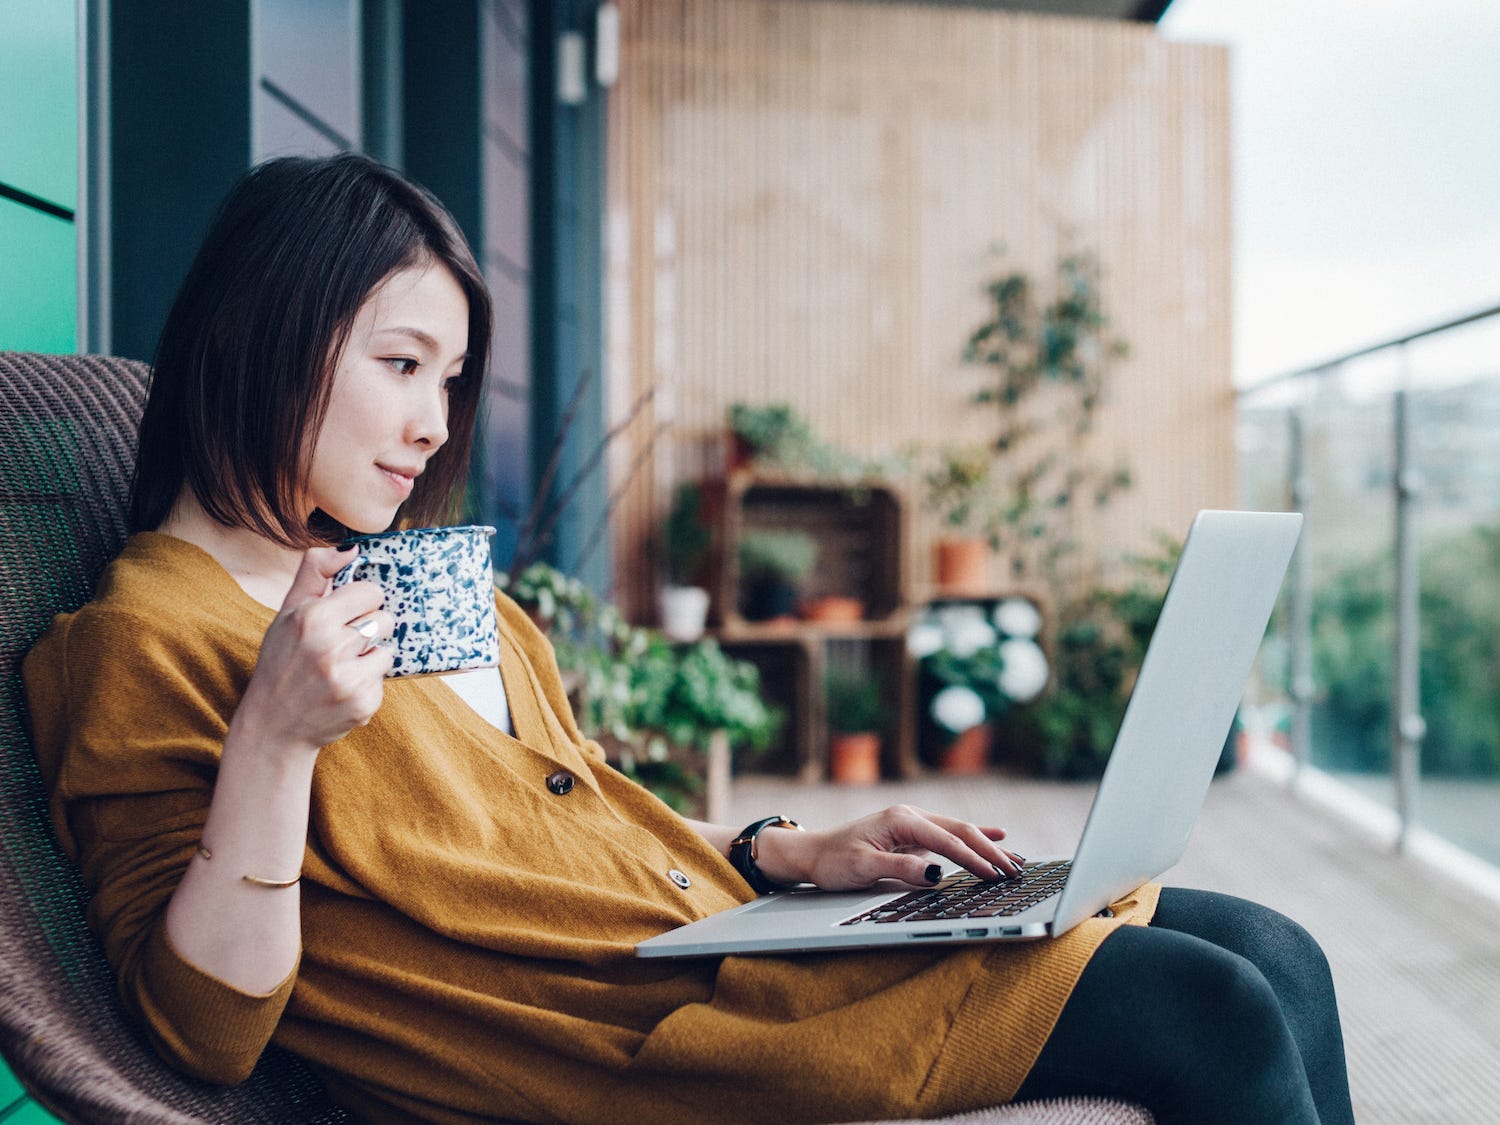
column 403, row 365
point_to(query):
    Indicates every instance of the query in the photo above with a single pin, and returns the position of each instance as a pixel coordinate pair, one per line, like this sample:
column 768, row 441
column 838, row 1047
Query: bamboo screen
column 803, row 204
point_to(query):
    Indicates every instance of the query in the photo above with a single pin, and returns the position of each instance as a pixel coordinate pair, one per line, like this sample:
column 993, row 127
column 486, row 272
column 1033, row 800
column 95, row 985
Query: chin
column 360, row 523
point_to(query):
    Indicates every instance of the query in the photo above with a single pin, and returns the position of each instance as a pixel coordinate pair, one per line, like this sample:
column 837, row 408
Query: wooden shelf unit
column 861, row 534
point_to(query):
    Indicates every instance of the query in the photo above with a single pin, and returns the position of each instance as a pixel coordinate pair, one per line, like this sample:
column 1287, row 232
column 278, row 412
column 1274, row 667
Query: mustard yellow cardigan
column 466, row 933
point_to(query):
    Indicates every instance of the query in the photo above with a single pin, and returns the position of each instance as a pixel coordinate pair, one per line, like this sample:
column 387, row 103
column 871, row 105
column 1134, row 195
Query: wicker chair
column 67, row 442
column 67, row 437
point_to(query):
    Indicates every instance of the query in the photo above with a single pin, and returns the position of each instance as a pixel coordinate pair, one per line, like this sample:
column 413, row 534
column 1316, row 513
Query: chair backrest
column 67, row 443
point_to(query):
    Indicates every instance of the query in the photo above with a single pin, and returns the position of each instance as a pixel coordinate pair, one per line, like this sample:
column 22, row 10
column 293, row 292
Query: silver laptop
column 1169, row 741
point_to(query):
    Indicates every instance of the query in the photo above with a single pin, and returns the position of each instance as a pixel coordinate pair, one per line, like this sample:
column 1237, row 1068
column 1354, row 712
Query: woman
column 435, row 901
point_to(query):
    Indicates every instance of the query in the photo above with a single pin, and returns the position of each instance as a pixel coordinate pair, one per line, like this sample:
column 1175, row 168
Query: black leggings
column 1221, row 1011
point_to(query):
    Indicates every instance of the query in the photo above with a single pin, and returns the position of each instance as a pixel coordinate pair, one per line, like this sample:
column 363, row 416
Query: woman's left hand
column 895, row 843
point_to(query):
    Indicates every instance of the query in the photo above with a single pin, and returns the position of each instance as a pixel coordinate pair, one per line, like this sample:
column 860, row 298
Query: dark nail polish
column 934, row 873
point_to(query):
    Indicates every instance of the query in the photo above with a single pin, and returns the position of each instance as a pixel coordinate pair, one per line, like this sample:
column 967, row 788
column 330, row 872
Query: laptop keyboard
column 966, row 896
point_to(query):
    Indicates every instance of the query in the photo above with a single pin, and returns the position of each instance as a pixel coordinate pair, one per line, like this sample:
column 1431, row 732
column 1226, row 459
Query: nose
column 427, row 424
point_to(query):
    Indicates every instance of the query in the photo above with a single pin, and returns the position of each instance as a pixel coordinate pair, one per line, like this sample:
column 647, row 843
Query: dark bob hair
column 246, row 361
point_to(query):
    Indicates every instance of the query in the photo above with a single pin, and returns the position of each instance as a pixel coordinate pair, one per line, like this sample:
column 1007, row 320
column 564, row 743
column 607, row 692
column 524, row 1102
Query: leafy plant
column 1101, row 640
column 1048, row 359
column 958, row 486
column 685, row 536
column 783, row 554
column 779, row 438
column 636, row 692
column 686, row 694
column 774, row 433
column 855, row 703
column 974, row 667
column 593, row 643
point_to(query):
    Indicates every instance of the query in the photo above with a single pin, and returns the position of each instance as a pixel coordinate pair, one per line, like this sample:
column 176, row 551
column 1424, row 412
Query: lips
column 403, row 478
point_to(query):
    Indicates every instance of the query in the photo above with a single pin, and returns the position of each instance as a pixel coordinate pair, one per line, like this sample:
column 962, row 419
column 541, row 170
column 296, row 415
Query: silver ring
column 369, row 631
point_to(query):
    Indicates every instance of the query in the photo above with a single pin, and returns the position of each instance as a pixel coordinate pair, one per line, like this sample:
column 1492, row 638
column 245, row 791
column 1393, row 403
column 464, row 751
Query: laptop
column 1180, row 711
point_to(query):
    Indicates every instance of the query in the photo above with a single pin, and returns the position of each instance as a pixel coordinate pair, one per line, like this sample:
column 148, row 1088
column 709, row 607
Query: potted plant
column 973, row 667
column 685, row 543
column 773, row 563
column 668, row 714
column 775, row 436
column 702, row 702
column 773, row 433
column 958, row 488
column 1048, row 351
column 1101, row 641
column 856, row 719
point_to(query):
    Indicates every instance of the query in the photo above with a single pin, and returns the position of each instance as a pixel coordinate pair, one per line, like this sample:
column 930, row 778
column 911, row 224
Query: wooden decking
column 1416, row 958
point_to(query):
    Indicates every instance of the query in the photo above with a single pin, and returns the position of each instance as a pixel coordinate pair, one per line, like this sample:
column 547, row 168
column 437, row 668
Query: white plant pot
column 684, row 610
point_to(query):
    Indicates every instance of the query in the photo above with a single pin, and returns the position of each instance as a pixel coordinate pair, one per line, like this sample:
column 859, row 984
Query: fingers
column 966, row 844
column 319, row 564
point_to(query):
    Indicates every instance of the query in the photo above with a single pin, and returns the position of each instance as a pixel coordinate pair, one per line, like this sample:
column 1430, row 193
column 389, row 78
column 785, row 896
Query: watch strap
column 742, row 854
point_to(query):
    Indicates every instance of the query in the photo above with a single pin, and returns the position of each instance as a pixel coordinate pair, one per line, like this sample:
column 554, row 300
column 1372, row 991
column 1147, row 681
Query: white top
column 484, row 691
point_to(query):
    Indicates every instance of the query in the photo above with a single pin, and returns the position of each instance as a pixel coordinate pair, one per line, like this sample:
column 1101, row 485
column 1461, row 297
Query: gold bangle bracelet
column 256, row 880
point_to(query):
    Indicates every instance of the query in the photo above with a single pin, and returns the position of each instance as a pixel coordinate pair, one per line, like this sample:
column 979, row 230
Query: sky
column 1367, row 169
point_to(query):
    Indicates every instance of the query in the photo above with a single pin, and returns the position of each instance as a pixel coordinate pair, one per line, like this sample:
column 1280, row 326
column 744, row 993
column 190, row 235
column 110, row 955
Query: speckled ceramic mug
column 439, row 586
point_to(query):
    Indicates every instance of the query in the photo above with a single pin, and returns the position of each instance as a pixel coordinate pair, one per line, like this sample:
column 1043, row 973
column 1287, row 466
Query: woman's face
column 388, row 409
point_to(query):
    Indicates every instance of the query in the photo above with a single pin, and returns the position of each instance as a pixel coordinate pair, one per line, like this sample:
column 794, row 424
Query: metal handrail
column 1370, row 349
column 1409, row 728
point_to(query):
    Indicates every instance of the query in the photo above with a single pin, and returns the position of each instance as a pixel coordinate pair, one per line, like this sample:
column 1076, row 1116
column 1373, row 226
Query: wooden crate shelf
column 860, row 531
column 861, row 534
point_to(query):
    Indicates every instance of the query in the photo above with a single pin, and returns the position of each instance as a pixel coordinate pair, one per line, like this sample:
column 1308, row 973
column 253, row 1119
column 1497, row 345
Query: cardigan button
column 679, row 878
column 560, row 782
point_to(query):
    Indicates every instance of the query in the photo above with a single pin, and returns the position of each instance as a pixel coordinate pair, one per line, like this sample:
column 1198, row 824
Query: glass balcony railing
column 1382, row 667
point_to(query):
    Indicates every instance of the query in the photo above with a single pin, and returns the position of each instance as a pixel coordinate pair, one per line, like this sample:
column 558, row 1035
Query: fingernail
column 934, row 873
column 1018, row 858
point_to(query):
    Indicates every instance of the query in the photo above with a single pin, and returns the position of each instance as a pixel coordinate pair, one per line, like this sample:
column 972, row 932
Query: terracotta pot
column 854, row 759
column 968, row 753
column 833, row 609
column 963, row 565
column 741, row 453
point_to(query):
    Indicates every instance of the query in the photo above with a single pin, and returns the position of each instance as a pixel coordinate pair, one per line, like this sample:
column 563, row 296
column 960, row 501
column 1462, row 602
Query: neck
column 264, row 569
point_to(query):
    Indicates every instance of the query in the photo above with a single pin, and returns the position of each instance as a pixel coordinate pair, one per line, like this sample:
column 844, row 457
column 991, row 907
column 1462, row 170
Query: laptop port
column 938, row 933
column 977, row 931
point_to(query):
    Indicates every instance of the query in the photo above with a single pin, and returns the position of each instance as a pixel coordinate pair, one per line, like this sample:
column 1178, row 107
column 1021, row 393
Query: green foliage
column 978, row 670
column 1101, row 640
column 688, row 692
column 638, row 691
column 958, row 487
column 855, row 703
column 1353, row 641
column 785, row 554
column 1048, row 361
column 685, row 536
column 780, row 439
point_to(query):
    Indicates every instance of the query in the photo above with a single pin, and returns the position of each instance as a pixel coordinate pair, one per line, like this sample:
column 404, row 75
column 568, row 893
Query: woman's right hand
column 319, row 676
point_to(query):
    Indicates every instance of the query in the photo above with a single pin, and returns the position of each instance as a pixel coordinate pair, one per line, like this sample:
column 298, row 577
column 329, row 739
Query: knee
column 1288, row 956
column 1229, row 992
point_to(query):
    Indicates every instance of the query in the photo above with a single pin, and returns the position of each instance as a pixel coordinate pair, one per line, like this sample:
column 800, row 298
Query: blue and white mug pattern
column 439, row 586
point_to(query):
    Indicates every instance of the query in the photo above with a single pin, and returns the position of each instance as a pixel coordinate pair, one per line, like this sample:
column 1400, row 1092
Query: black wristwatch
column 743, row 855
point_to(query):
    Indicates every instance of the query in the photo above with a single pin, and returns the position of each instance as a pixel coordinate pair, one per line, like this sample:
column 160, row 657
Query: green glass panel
column 39, row 90
column 29, row 1114
column 38, row 286
column 10, row 1086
